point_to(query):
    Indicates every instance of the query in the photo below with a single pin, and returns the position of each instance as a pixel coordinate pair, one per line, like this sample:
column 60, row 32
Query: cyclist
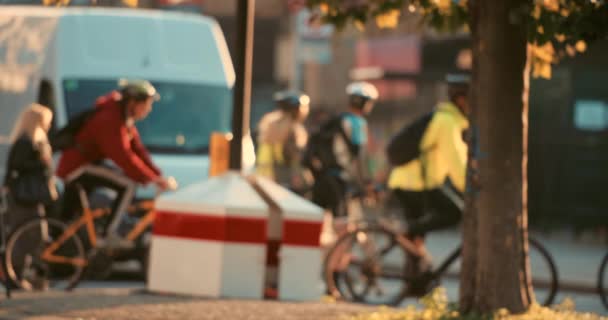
column 436, row 180
column 282, row 138
column 339, row 160
column 111, row 134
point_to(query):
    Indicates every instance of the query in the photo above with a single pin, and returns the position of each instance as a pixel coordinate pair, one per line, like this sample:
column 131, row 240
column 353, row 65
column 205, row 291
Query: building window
column 591, row 115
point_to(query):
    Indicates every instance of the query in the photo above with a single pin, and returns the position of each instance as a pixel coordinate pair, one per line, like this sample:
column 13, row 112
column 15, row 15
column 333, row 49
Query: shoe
column 422, row 284
column 40, row 284
column 39, row 280
column 418, row 265
column 114, row 241
column 418, row 272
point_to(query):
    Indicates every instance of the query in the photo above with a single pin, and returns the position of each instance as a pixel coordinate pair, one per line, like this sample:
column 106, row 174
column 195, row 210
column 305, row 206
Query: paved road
column 577, row 264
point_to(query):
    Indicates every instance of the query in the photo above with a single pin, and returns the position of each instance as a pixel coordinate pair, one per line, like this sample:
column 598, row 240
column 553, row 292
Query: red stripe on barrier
column 210, row 227
column 301, row 233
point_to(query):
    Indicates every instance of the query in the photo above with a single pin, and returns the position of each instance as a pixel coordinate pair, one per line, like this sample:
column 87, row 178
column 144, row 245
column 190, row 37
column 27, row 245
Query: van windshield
column 181, row 122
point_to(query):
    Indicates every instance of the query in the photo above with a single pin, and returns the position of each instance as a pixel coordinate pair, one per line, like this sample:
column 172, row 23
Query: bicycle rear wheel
column 25, row 265
column 367, row 265
column 602, row 278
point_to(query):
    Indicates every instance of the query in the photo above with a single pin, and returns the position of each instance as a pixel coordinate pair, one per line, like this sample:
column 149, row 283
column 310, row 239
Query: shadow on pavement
column 27, row 304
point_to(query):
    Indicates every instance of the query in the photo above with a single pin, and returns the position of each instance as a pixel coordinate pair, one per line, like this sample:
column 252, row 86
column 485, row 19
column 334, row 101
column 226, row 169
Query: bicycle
column 601, row 287
column 3, row 229
column 44, row 251
column 386, row 262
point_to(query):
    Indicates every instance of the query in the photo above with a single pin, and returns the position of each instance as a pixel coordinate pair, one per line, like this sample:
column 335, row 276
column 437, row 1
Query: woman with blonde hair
column 29, row 172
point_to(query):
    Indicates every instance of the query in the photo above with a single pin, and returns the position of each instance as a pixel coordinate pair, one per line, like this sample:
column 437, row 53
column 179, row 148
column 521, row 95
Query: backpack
column 405, row 145
column 65, row 137
column 319, row 153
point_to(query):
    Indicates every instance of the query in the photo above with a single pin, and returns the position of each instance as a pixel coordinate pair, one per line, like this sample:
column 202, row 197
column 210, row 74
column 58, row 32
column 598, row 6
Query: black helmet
column 138, row 90
column 293, row 101
column 458, row 85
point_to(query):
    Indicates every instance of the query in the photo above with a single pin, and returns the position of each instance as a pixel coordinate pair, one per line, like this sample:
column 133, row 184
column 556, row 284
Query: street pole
column 296, row 84
column 242, row 87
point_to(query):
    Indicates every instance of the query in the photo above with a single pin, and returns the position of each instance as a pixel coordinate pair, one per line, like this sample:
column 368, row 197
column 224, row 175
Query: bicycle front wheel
column 367, row 265
column 26, row 266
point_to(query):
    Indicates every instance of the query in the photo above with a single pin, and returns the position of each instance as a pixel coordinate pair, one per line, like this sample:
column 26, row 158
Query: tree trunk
column 495, row 236
column 468, row 274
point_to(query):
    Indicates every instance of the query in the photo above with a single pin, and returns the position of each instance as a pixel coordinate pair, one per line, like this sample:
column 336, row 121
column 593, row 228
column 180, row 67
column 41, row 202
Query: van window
column 181, row 122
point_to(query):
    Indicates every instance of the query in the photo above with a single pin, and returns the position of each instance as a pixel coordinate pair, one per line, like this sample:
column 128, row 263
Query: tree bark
column 468, row 273
column 495, row 232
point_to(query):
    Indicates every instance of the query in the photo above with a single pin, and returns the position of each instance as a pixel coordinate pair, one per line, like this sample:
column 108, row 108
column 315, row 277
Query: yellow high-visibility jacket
column 446, row 158
column 268, row 156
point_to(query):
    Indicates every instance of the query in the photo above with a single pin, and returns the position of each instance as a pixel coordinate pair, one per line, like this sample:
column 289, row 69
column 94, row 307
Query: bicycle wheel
column 544, row 273
column 25, row 265
column 367, row 265
column 602, row 278
column 542, row 267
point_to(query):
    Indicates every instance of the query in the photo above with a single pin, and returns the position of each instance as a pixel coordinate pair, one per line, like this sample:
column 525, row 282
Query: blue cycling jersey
column 358, row 129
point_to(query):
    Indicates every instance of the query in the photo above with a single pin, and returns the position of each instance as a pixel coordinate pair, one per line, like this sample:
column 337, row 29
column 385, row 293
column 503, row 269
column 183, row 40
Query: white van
column 66, row 57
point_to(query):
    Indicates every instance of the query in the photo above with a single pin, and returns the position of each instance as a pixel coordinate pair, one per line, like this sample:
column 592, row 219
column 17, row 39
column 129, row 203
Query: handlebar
column 172, row 185
column 363, row 192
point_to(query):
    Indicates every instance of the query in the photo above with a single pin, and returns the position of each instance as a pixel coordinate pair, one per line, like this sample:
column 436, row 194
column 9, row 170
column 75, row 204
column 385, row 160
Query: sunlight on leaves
column 581, row 46
column 388, row 20
column 435, row 306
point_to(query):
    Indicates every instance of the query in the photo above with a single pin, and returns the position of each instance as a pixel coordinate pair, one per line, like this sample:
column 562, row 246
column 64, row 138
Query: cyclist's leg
column 328, row 192
column 69, row 204
column 444, row 213
column 413, row 206
column 94, row 176
column 337, row 193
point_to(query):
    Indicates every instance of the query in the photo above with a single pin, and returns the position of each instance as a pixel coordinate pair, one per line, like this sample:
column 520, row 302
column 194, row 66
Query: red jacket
column 107, row 136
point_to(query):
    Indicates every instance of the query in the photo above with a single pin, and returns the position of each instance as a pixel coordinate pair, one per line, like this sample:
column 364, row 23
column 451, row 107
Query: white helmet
column 362, row 95
column 362, row 89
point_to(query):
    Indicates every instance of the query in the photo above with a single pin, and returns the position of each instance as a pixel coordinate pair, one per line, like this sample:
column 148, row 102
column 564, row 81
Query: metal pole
column 242, row 88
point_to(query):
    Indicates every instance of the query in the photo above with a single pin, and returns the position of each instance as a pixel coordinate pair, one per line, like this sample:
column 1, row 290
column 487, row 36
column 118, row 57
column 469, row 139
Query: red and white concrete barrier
column 232, row 236
column 210, row 239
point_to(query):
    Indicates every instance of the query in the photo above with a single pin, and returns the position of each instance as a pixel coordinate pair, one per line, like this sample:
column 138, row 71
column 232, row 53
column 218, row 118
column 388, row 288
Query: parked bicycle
column 44, row 252
column 370, row 263
column 602, row 278
column 3, row 229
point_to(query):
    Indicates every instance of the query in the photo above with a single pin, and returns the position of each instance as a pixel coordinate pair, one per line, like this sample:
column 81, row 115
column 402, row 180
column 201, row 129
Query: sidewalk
column 133, row 304
column 577, row 263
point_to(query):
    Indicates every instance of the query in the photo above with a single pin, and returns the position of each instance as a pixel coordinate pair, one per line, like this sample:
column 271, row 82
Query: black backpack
column 405, row 145
column 65, row 137
column 319, row 154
